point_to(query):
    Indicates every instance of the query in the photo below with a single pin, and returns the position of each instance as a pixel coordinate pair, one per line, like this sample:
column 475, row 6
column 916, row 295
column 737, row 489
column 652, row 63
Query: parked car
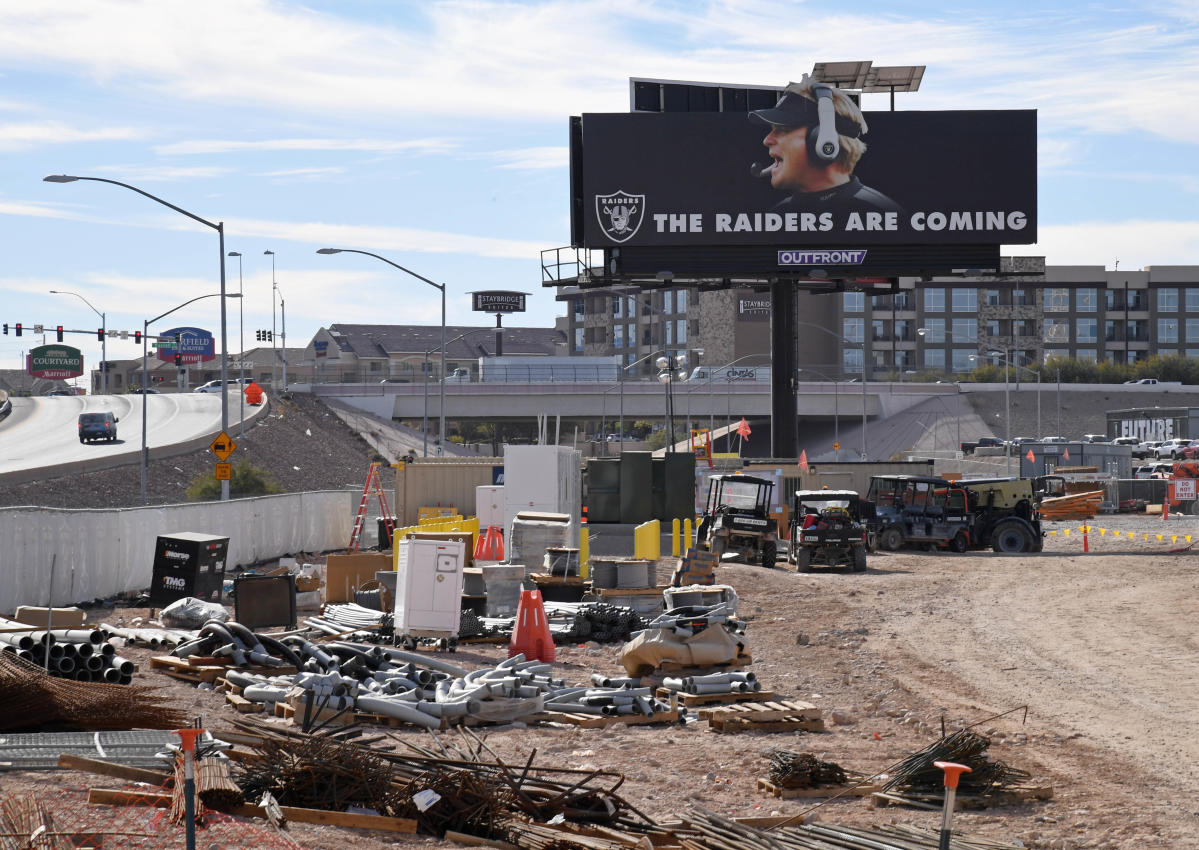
column 1190, row 451
column 1054, row 440
column 1132, row 443
column 1017, row 442
column 1171, row 449
column 143, row 391
column 1156, row 469
column 1147, row 447
column 234, row 384
column 1146, row 381
column 1096, row 438
column 97, row 426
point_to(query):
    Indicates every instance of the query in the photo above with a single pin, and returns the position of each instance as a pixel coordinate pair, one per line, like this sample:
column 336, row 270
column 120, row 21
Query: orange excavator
column 1183, row 492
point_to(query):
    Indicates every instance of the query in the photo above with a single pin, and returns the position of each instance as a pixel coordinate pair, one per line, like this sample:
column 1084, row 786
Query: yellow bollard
column 674, row 537
column 687, row 535
column 647, row 540
column 584, row 553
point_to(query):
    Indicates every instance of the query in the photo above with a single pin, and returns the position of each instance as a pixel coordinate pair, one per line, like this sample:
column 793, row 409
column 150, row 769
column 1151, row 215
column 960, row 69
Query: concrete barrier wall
column 96, row 554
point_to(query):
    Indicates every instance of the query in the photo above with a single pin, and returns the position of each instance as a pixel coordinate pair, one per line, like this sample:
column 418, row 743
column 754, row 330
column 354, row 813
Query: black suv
column 97, row 426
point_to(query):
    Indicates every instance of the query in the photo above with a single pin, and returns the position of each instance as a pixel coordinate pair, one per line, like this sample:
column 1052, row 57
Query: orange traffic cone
column 531, row 634
column 480, row 546
column 495, row 542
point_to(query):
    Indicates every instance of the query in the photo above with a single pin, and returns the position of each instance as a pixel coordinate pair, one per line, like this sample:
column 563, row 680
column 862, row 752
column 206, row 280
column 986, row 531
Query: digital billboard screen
column 720, row 179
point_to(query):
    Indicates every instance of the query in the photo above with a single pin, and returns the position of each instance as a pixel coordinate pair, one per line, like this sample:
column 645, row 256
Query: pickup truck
column 981, row 443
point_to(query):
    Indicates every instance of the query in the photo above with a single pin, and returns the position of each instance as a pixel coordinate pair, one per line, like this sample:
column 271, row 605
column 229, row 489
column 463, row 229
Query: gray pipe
column 422, row 661
column 123, row 665
column 265, row 693
column 644, row 706
column 94, row 663
column 401, row 710
column 65, row 665
column 714, row 688
column 21, row 641
column 78, row 635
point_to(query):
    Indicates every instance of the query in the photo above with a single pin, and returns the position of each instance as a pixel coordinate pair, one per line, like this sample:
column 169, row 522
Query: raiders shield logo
column 620, row 214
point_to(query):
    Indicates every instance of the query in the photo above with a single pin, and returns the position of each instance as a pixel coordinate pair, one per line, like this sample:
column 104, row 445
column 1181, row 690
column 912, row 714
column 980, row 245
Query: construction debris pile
column 803, row 770
column 29, row 698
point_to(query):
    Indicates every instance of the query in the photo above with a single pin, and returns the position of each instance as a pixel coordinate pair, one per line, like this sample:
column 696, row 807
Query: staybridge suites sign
column 54, row 361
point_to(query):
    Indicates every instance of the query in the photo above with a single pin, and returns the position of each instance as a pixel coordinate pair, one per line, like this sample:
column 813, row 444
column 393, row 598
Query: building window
column 1022, row 298
column 963, row 359
column 1086, row 300
column 668, row 301
column 853, row 329
column 579, row 339
column 669, row 333
column 1057, row 300
column 1113, row 330
column 1088, row 355
column 852, row 359
column 1113, row 299
column 1024, row 328
column 1192, row 299
column 934, row 330
column 992, row 327
column 992, row 297
column 1192, row 330
column 1167, row 329
column 1056, row 331
column 853, row 302
column 934, row 358
column 618, row 305
column 680, row 301
column 1167, row 300
column 904, row 331
column 964, row 300
column 964, row 330
column 578, row 304
column 934, row 300
column 1087, row 330
column 680, row 331
column 903, row 301
column 878, row 331
column 618, row 336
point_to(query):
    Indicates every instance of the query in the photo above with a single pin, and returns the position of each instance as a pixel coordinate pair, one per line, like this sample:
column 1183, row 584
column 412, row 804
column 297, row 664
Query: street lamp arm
column 80, row 297
column 65, row 178
column 440, row 286
column 181, row 306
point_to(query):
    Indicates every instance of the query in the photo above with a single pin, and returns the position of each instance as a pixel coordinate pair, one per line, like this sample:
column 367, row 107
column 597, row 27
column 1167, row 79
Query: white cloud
column 221, row 146
column 26, row 136
column 161, row 173
column 303, row 172
column 1135, row 243
column 533, row 159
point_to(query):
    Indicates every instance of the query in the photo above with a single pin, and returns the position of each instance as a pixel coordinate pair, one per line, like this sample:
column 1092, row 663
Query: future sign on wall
column 709, row 179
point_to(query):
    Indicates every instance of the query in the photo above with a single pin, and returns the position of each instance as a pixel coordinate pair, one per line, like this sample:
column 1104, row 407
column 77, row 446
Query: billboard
column 195, row 344
column 498, row 301
column 716, row 179
column 54, row 361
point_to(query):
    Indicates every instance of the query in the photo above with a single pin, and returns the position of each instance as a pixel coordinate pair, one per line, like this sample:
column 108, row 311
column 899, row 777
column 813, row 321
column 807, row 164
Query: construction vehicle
column 958, row 515
column 827, row 528
column 737, row 519
column 1183, row 491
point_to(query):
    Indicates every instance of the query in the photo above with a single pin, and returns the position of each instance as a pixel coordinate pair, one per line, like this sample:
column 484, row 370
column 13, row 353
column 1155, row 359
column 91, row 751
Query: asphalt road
column 44, row 431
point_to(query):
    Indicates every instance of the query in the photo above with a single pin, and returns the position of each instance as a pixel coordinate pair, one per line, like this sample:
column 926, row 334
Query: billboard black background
column 700, row 163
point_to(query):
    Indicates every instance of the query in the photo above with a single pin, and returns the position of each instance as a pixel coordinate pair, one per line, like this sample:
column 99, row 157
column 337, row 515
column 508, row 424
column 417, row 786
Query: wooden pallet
column 598, row 721
column 763, row 716
column 698, row 700
column 1012, row 796
column 675, row 668
column 823, row 791
column 207, row 669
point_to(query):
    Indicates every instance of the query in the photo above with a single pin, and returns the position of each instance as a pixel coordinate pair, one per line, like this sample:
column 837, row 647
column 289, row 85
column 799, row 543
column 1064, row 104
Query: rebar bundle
column 917, row 773
column 30, row 699
column 803, row 770
column 26, row 825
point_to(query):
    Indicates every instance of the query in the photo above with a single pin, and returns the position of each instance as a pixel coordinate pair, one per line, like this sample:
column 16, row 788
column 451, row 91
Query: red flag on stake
column 803, row 460
column 743, row 429
column 1032, row 458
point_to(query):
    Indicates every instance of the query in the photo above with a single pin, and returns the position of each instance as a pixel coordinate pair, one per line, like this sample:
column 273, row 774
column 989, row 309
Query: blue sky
column 435, row 134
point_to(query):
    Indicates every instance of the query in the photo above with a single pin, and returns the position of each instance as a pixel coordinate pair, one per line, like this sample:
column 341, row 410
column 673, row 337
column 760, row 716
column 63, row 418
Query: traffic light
column 137, row 336
column 18, row 328
column 178, row 359
column 6, row 328
column 100, row 334
column 258, row 336
column 59, row 332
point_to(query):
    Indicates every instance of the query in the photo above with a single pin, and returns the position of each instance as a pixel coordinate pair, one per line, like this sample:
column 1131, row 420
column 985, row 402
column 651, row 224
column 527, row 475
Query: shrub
column 247, row 480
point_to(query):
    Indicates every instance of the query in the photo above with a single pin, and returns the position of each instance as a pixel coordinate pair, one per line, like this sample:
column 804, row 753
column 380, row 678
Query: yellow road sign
column 223, row 446
column 224, row 471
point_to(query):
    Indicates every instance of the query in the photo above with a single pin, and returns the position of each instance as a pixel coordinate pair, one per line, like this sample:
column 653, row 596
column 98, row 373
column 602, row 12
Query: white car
column 1171, row 449
column 1054, row 440
column 234, row 385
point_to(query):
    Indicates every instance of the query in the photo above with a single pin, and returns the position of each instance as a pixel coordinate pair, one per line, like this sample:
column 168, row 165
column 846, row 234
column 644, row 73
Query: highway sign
column 223, row 446
column 224, row 471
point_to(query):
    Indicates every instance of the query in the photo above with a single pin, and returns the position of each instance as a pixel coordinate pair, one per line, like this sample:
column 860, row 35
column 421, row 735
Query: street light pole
column 274, row 332
column 103, row 341
column 219, row 227
column 438, row 286
column 241, row 341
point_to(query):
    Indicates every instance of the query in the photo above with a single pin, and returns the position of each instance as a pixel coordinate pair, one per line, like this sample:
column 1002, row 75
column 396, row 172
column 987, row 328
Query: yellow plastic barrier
column 584, row 553
column 675, row 528
column 647, row 540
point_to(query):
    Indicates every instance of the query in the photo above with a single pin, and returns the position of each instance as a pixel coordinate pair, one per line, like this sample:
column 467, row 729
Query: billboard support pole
column 784, row 436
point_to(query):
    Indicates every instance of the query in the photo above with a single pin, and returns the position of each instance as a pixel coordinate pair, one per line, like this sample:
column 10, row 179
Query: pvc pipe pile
column 241, row 646
column 153, row 638
column 83, row 655
column 716, row 683
column 349, row 619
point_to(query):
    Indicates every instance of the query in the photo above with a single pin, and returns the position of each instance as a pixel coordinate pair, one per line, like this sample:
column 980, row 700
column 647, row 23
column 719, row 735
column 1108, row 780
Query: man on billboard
column 814, row 145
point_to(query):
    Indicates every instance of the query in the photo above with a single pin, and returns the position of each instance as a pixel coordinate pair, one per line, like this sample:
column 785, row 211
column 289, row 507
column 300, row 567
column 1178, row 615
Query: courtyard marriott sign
column 54, row 361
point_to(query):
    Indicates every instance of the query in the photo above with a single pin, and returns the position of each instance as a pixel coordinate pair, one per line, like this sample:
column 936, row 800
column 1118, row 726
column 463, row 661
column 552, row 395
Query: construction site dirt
column 1100, row 648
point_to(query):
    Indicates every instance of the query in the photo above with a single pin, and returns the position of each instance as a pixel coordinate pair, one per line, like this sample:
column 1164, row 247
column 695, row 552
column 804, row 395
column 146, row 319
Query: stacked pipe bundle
column 598, row 621
column 157, row 638
column 608, row 696
column 733, row 682
column 692, row 619
column 243, row 647
column 80, row 654
column 340, row 619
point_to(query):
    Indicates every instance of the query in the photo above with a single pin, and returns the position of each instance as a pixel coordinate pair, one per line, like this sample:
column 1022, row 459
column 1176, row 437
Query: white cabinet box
column 545, row 479
column 429, row 589
column 489, row 506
